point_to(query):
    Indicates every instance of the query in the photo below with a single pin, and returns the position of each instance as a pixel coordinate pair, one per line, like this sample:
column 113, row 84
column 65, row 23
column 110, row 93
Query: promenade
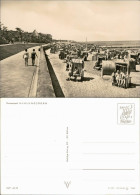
column 16, row 79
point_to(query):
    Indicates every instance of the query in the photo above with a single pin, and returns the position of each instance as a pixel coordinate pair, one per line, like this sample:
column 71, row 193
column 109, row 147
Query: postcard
column 70, row 146
column 70, row 97
column 72, row 49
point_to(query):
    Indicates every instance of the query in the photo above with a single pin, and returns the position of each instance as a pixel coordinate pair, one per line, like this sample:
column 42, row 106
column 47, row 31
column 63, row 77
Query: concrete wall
column 45, row 87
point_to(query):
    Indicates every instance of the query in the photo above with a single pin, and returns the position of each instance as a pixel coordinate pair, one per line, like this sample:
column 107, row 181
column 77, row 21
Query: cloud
column 106, row 20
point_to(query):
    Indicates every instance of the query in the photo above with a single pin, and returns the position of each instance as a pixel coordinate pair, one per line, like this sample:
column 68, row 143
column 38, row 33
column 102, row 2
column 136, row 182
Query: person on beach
column 113, row 77
column 33, row 56
column 69, row 73
column 122, row 78
column 76, row 71
column 118, row 78
column 26, row 57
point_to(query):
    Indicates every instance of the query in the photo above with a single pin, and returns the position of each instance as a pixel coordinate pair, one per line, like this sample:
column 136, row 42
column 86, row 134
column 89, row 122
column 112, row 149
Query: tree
column 1, row 26
column 20, row 33
column 5, row 28
column 3, row 34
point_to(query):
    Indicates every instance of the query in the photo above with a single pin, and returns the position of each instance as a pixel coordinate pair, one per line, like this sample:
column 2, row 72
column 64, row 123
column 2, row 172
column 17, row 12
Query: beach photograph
column 69, row 49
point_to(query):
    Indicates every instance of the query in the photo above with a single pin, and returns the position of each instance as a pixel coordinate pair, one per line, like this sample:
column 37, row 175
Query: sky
column 75, row 20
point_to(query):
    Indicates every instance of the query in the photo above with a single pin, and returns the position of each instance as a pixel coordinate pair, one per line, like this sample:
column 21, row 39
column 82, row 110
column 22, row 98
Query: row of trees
column 19, row 35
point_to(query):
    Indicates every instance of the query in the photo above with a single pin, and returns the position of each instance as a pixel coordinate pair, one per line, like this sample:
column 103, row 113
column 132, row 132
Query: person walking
column 26, row 57
column 33, row 56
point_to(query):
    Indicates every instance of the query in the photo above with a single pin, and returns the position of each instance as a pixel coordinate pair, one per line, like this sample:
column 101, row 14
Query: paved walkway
column 93, row 85
column 16, row 79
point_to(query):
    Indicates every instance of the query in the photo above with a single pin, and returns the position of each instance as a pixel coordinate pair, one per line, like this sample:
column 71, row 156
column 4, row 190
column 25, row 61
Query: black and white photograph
column 70, row 97
column 72, row 49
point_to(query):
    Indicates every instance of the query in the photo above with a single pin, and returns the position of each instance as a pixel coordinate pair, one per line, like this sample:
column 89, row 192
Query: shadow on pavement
column 133, row 85
column 31, row 65
column 87, row 78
